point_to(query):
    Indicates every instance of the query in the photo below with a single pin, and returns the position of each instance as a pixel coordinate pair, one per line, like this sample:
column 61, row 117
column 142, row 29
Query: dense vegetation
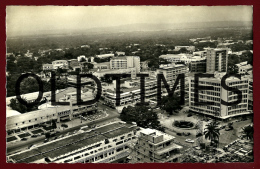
column 142, row 116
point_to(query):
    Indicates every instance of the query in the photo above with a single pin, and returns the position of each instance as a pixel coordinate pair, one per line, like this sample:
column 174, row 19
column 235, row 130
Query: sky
column 24, row 19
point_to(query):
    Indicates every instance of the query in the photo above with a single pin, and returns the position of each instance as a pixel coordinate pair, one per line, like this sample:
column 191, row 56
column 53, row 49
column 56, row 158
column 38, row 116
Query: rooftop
column 71, row 143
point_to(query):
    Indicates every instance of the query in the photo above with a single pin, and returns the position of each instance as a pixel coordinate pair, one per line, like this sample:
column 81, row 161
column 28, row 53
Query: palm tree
column 248, row 132
column 211, row 132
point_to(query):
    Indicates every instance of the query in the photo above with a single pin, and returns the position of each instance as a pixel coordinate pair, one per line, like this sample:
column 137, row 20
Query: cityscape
column 129, row 84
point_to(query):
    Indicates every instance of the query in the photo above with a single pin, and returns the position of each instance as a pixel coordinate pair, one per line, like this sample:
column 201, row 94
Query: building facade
column 198, row 66
column 104, row 144
column 156, row 147
column 33, row 119
column 60, row 64
column 125, row 63
column 217, row 60
column 215, row 96
column 171, row 72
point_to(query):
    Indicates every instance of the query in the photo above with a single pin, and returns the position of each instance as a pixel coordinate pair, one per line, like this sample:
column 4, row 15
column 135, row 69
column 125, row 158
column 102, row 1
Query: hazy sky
column 23, row 19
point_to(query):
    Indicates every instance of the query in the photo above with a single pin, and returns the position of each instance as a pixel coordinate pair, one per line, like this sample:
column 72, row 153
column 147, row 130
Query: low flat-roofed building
column 10, row 113
column 29, row 97
column 175, row 58
column 120, row 53
column 47, row 67
column 243, row 67
column 32, row 119
column 103, row 65
column 103, row 56
column 102, row 73
column 104, row 144
column 189, row 48
column 60, row 64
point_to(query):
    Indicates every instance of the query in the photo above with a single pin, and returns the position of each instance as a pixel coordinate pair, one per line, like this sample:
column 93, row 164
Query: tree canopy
column 142, row 116
column 170, row 104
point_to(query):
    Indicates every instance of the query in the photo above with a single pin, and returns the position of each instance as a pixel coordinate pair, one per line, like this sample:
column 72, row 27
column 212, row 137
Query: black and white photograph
column 129, row 84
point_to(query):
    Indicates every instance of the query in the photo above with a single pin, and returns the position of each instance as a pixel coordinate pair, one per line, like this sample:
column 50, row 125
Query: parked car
column 197, row 147
column 31, row 146
column 187, row 134
column 24, row 139
column 46, row 140
column 199, row 134
column 189, row 140
column 179, row 134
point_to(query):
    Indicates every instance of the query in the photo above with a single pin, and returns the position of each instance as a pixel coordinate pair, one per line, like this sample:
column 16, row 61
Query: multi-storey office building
column 105, row 144
column 250, row 94
column 171, row 72
column 131, row 92
column 155, row 146
column 217, row 60
column 215, row 96
column 125, row 63
column 198, row 66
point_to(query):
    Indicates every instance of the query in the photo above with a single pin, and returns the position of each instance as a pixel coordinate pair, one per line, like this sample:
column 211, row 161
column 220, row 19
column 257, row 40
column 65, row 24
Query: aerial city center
column 151, row 68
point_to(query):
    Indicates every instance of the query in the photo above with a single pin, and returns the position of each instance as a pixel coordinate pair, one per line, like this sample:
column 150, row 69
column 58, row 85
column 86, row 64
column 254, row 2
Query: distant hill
column 139, row 27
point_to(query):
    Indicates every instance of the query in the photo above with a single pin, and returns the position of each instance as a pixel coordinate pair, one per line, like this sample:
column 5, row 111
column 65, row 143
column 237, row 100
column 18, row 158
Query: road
column 22, row 145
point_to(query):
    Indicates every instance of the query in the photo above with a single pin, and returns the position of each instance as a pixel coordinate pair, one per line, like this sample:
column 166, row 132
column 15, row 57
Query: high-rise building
column 215, row 96
column 217, row 60
column 155, row 146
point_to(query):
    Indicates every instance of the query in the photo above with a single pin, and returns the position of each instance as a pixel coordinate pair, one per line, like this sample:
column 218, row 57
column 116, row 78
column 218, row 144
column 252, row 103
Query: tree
column 47, row 135
column 212, row 132
column 82, row 59
column 106, row 79
column 142, row 116
column 170, row 104
column 16, row 105
column 54, row 125
column 87, row 66
column 248, row 132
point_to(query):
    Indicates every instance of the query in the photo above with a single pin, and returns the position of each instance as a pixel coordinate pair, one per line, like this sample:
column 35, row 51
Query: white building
column 104, row 144
column 101, row 73
column 82, row 56
column 60, row 64
column 217, row 109
column 125, row 63
column 155, row 146
column 243, row 67
column 103, row 56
